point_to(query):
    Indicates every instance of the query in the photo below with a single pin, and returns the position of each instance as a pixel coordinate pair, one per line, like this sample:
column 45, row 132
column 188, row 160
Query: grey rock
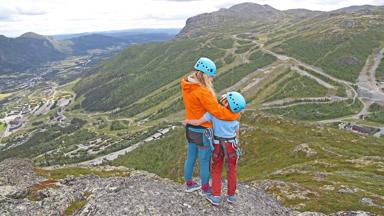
column 305, row 149
column 18, row 194
column 352, row 213
column 311, row 214
column 344, row 189
column 17, row 172
column 368, row 201
column 141, row 193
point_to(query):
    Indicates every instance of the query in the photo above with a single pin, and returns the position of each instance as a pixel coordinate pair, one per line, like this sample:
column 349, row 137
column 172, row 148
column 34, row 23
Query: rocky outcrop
column 304, row 149
column 16, row 175
column 23, row 192
column 139, row 193
column 245, row 12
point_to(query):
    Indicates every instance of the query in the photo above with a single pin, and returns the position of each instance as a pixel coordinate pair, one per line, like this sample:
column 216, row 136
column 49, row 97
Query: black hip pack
column 195, row 134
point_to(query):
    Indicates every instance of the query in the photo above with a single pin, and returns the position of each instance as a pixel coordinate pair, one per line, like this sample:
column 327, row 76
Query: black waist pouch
column 195, row 134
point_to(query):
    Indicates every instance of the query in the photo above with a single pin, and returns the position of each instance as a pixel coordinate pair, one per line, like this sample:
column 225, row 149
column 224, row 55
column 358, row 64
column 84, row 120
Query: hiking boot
column 193, row 186
column 231, row 199
column 214, row 200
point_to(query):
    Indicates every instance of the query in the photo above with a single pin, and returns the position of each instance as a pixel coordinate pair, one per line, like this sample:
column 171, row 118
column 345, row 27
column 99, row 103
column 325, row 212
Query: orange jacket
column 199, row 100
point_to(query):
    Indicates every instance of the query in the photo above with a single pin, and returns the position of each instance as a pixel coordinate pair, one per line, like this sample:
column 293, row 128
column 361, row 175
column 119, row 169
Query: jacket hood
column 189, row 86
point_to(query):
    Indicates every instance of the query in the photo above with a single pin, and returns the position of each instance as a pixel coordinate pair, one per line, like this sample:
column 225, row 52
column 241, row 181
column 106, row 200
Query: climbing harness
column 209, row 134
column 196, row 134
column 223, row 142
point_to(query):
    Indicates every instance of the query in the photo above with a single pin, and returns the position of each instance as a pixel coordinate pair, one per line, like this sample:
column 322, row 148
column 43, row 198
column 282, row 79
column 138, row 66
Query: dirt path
column 114, row 155
column 318, row 80
column 369, row 93
column 368, row 87
column 309, row 100
column 110, row 156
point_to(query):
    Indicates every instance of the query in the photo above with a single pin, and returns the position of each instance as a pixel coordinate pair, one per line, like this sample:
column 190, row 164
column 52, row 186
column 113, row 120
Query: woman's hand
column 191, row 122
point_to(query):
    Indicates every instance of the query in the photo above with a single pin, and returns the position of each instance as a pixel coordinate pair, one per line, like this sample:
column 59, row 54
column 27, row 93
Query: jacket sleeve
column 210, row 104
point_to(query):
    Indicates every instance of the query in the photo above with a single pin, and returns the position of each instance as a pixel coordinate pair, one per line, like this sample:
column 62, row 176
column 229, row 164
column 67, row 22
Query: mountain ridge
column 257, row 13
column 30, row 49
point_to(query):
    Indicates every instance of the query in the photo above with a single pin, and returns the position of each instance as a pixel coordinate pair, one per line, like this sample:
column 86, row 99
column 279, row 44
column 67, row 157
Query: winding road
column 368, row 90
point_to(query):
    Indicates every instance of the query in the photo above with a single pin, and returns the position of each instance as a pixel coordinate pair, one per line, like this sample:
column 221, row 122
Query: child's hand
column 194, row 122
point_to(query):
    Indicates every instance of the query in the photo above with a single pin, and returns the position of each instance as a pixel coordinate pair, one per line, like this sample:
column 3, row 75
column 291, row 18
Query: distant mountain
column 303, row 13
column 122, row 33
column 81, row 44
column 30, row 49
column 229, row 18
column 359, row 9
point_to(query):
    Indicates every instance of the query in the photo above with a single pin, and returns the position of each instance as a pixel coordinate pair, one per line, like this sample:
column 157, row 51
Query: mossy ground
column 3, row 126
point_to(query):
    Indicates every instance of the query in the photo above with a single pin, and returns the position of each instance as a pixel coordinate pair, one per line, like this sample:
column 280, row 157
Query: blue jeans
column 204, row 154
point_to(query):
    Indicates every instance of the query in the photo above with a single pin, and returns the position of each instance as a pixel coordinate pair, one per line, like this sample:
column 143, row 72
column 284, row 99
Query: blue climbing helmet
column 236, row 101
column 206, row 66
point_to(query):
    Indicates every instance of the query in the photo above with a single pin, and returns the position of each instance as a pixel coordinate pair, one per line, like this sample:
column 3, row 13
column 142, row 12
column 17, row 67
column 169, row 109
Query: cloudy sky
column 73, row 16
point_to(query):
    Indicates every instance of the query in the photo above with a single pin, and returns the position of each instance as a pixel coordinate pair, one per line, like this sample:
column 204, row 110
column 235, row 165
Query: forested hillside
column 143, row 80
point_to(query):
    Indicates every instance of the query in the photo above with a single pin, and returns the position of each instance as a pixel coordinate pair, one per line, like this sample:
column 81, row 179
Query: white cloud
column 70, row 16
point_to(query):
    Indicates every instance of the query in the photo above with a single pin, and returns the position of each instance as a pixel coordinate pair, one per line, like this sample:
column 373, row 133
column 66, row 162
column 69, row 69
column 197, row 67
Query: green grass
column 258, row 60
column 3, row 126
column 75, row 206
column 242, row 42
column 119, row 125
column 52, row 137
column 4, row 95
column 268, row 145
column 331, row 51
column 244, row 48
column 150, row 101
column 225, row 43
column 380, row 71
column 313, row 112
column 341, row 89
column 376, row 113
column 229, row 59
column 139, row 70
column 69, row 87
column 298, row 86
column 164, row 159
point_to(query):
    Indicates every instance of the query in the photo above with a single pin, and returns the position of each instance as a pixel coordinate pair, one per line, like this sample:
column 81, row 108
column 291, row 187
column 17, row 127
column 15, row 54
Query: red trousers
column 218, row 158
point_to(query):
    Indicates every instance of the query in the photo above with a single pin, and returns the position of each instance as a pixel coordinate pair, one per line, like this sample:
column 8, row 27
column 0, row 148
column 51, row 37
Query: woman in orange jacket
column 199, row 98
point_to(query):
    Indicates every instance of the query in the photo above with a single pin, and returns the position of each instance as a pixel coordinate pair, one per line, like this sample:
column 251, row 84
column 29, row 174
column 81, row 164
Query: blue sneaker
column 193, row 187
column 214, row 200
column 231, row 199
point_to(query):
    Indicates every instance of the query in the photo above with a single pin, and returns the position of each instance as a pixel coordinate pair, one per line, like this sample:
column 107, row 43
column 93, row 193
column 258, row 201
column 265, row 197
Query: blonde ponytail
column 204, row 80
